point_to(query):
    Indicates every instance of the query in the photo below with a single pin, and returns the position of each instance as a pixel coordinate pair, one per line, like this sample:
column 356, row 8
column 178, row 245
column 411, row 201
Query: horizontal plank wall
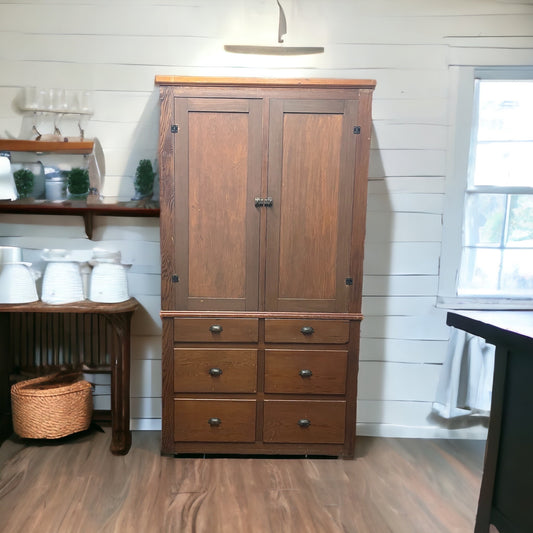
column 115, row 49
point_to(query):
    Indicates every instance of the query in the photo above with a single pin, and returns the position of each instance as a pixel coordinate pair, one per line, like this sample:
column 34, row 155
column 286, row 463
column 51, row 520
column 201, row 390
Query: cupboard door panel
column 218, row 172
column 311, row 173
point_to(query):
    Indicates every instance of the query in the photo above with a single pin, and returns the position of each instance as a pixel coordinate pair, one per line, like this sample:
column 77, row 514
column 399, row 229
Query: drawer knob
column 215, row 328
column 213, row 422
column 305, row 373
column 304, row 422
column 307, row 330
column 215, row 372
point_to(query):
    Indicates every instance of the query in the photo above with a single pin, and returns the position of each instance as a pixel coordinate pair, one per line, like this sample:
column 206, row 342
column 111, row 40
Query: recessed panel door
column 218, row 172
column 311, row 181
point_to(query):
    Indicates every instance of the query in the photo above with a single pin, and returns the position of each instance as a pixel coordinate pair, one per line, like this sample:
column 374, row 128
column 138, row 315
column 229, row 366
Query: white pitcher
column 17, row 283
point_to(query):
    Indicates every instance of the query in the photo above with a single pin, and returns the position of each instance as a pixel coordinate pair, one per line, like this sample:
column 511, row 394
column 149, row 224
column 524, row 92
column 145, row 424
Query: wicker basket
column 43, row 410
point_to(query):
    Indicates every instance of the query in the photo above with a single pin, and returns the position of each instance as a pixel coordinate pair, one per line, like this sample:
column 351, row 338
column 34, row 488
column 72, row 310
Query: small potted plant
column 78, row 183
column 144, row 180
column 24, row 182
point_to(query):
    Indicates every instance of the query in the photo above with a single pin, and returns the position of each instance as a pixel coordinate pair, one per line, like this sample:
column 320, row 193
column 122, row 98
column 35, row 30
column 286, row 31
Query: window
column 487, row 250
column 497, row 255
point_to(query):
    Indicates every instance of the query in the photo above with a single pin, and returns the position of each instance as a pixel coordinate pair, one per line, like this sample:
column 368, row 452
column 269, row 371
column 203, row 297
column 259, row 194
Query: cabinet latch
column 357, row 130
column 348, row 281
column 175, row 279
column 263, row 202
column 174, row 128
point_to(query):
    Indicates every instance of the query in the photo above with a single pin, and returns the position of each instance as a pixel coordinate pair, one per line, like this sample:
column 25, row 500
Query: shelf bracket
column 88, row 222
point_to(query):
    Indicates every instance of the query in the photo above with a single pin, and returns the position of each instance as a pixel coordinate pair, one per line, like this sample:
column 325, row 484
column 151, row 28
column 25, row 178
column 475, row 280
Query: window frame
column 461, row 116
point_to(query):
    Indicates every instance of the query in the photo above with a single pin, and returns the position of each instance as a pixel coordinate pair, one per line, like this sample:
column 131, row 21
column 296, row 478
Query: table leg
column 120, row 385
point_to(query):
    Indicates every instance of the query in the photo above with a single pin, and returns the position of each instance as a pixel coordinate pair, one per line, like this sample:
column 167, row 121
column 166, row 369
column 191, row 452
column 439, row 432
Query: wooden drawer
column 307, row 331
column 215, row 370
column 304, row 421
column 214, row 420
column 215, row 329
column 305, row 371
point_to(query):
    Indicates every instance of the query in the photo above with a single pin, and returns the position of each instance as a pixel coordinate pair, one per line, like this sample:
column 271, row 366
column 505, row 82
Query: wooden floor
column 393, row 485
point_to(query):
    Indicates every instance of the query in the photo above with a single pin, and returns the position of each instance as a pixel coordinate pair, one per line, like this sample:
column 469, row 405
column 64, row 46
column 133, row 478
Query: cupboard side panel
column 166, row 170
column 362, row 155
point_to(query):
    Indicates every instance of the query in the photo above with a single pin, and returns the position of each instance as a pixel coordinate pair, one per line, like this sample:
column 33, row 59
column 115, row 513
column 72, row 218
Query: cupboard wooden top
column 324, row 83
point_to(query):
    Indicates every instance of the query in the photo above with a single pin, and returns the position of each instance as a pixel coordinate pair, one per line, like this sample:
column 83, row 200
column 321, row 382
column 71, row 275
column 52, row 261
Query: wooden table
column 118, row 315
column 506, row 496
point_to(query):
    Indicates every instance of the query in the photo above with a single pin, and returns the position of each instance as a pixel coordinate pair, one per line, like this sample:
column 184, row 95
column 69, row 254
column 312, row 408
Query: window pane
column 505, row 110
column 484, row 220
column 504, row 164
column 520, row 232
column 503, row 147
column 480, row 268
column 517, row 272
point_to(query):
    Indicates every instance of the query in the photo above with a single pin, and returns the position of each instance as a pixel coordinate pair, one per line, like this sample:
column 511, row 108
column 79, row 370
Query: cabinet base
column 259, row 448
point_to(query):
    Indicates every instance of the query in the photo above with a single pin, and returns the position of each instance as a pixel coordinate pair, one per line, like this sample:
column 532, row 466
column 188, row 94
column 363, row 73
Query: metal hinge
column 174, row 128
column 357, row 130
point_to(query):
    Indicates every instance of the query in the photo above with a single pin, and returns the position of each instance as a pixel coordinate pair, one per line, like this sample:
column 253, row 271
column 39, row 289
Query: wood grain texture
column 262, row 82
column 215, row 370
column 285, row 371
column 217, row 173
column 203, row 330
column 290, row 330
column 393, row 486
column 311, row 172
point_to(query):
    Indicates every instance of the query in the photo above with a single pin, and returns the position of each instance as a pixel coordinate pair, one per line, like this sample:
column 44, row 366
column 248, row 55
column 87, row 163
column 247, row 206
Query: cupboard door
column 217, row 175
column 311, row 181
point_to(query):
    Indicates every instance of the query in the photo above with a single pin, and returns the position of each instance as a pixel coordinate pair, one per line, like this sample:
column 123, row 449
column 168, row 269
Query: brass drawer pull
column 305, row 373
column 214, row 422
column 307, row 330
column 304, row 422
column 215, row 328
column 215, row 372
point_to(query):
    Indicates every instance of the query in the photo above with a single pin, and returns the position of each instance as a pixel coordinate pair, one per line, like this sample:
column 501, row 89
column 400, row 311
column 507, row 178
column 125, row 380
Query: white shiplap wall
column 115, row 48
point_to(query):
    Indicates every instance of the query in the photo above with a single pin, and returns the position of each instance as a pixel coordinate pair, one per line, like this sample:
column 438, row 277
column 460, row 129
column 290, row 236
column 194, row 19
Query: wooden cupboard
column 263, row 205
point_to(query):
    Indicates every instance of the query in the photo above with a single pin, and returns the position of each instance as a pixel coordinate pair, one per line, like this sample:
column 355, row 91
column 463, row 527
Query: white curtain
column 465, row 384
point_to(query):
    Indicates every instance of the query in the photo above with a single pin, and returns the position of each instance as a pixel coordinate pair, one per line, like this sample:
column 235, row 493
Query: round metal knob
column 304, row 423
column 305, row 373
column 214, row 422
column 307, row 330
column 215, row 328
column 215, row 372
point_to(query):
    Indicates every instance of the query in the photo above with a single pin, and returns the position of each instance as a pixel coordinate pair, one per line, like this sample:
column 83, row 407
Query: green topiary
column 24, row 182
column 144, row 179
column 78, row 181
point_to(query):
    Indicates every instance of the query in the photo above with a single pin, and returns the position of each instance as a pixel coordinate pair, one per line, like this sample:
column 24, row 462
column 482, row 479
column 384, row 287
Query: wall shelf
column 89, row 208
column 86, row 209
column 66, row 147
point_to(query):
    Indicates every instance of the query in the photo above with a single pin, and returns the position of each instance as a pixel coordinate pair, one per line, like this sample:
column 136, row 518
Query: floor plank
column 392, row 486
